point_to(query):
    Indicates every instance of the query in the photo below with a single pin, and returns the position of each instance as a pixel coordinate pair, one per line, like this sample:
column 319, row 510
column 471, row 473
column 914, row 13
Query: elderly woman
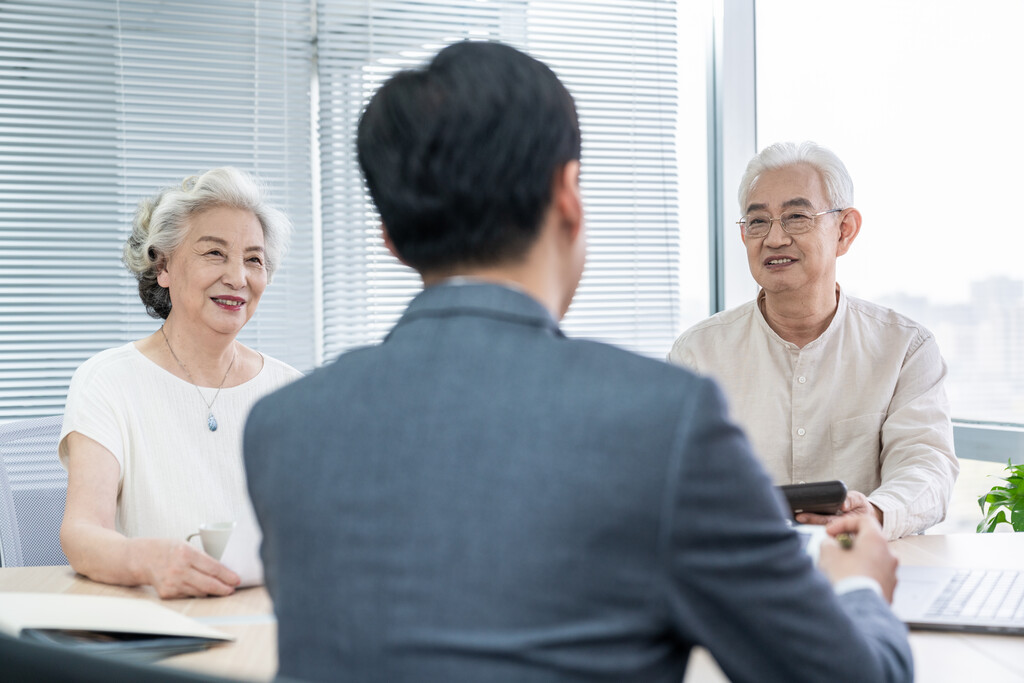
column 152, row 429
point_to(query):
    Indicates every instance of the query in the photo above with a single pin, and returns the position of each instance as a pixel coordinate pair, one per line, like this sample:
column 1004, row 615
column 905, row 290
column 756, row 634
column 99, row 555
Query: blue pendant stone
column 211, row 422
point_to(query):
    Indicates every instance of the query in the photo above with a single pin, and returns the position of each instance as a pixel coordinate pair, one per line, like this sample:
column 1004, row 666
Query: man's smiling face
column 805, row 263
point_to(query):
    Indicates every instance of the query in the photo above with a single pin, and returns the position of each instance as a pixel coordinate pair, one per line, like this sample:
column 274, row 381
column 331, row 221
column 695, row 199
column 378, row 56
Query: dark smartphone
column 819, row 497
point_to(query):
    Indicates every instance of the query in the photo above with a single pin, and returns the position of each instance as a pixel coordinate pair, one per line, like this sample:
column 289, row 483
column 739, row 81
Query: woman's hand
column 176, row 569
column 97, row 550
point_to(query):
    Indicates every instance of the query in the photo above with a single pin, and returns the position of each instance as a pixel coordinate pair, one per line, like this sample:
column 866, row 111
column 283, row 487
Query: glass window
column 637, row 72
column 104, row 103
column 921, row 99
column 109, row 101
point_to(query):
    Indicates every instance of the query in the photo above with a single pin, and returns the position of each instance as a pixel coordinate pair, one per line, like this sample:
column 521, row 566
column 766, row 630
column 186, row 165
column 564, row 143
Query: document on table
column 136, row 629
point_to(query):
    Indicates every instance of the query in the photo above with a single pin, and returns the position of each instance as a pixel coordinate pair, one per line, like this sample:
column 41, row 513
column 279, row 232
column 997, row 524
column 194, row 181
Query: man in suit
column 480, row 497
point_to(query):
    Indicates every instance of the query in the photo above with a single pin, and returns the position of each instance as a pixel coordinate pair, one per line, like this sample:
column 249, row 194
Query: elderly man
column 827, row 386
column 481, row 498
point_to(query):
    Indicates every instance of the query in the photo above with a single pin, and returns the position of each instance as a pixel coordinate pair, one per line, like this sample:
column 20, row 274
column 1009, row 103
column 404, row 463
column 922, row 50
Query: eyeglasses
column 793, row 222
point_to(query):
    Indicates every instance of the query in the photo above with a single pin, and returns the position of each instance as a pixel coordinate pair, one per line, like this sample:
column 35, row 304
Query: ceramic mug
column 214, row 536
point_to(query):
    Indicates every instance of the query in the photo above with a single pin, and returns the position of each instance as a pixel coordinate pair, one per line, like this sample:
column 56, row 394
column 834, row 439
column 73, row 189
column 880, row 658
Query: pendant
column 211, row 422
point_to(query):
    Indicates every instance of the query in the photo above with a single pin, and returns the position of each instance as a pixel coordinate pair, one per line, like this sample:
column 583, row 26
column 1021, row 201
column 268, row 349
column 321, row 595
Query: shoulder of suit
column 611, row 361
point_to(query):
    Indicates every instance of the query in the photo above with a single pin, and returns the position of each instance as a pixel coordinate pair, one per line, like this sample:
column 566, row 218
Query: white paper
column 19, row 611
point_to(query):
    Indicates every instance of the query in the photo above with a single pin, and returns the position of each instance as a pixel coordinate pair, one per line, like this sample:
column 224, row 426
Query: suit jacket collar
column 479, row 299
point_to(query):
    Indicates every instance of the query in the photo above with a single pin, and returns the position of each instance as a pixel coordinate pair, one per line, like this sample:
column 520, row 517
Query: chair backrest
column 33, row 485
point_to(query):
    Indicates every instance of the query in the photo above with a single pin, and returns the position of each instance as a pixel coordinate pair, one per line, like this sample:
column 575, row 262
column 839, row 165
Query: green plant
column 1008, row 498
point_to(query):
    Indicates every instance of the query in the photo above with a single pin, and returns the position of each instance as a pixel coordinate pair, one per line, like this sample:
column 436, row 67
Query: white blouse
column 175, row 473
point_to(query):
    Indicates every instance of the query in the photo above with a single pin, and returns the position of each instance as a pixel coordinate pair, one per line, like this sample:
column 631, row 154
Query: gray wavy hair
column 838, row 183
column 161, row 222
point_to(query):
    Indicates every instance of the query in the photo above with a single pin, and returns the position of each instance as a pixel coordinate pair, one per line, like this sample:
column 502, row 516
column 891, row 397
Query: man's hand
column 856, row 503
column 868, row 556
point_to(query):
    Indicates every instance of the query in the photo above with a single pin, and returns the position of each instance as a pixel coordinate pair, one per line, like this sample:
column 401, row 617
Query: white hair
column 161, row 222
column 838, row 184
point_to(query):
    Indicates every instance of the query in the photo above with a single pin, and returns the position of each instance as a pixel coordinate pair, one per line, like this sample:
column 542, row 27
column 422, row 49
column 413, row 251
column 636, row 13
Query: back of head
column 459, row 156
column 838, row 184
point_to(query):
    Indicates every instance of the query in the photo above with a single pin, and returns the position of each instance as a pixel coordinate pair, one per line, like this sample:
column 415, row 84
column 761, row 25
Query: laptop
column 970, row 600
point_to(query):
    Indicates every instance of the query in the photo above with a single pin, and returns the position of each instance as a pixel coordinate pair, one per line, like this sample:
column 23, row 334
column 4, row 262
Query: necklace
column 211, row 421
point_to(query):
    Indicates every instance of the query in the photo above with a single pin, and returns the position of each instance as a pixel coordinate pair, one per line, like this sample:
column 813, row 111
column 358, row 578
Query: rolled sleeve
column 918, row 463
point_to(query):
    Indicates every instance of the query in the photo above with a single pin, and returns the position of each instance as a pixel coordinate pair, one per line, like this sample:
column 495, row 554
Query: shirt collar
column 469, row 297
column 836, row 323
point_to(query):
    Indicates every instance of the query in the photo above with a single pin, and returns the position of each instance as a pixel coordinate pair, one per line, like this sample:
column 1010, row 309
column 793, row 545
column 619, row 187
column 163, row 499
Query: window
column 637, row 72
column 105, row 102
column 920, row 99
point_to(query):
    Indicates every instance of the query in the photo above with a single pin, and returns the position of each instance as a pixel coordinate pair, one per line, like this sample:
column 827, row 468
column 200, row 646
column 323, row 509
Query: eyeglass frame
column 772, row 219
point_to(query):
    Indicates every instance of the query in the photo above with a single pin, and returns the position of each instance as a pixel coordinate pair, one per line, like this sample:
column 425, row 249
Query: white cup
column 214, row 536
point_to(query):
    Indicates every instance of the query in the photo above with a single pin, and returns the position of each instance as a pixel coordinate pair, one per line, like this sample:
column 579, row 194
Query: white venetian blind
column 620, row 62
column 105, row 101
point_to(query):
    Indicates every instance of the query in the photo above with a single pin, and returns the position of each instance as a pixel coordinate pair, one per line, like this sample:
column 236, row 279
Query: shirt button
column 801, row 431
column 801, row 379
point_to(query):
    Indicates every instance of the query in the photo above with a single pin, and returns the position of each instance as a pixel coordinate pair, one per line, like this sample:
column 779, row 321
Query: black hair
column 460, row 155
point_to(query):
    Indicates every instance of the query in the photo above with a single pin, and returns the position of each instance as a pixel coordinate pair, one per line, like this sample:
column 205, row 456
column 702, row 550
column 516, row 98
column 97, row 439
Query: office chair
column 33, row 485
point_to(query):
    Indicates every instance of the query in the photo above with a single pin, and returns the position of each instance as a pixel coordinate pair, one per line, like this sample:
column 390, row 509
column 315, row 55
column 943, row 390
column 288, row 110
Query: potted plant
column 1005, row 502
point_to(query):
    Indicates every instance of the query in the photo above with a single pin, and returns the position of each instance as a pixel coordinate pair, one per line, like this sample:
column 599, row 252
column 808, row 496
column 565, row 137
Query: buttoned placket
column 801, row 425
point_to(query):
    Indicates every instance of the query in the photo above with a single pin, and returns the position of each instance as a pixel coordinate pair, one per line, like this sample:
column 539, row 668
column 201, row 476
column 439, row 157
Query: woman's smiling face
column 217, row 275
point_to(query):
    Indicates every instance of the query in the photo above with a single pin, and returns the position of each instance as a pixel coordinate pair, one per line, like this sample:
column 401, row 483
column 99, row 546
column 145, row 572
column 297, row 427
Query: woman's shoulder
column 117, row 375
column 113, row 361
column 277, row 371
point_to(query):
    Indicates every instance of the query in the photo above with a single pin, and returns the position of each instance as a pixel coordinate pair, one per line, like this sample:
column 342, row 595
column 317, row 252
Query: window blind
column 103, row 102
column 620, row 61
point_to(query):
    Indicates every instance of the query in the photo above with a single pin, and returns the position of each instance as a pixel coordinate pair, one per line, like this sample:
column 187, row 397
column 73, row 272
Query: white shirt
column 175, row 473
column 863, row 403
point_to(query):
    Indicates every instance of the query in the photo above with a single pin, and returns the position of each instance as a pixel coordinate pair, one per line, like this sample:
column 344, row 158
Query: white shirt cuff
column 856, row 583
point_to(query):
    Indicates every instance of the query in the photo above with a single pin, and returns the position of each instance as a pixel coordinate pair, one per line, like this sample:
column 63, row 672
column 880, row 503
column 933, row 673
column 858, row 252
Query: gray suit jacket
column 480, row 498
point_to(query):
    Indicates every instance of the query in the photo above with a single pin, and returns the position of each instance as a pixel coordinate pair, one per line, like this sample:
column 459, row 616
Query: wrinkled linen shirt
column 863, row 403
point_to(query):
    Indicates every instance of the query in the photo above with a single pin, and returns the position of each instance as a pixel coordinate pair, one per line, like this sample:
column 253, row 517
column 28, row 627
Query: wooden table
column 248, row 615
column 961, row 656
column 940, row 657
